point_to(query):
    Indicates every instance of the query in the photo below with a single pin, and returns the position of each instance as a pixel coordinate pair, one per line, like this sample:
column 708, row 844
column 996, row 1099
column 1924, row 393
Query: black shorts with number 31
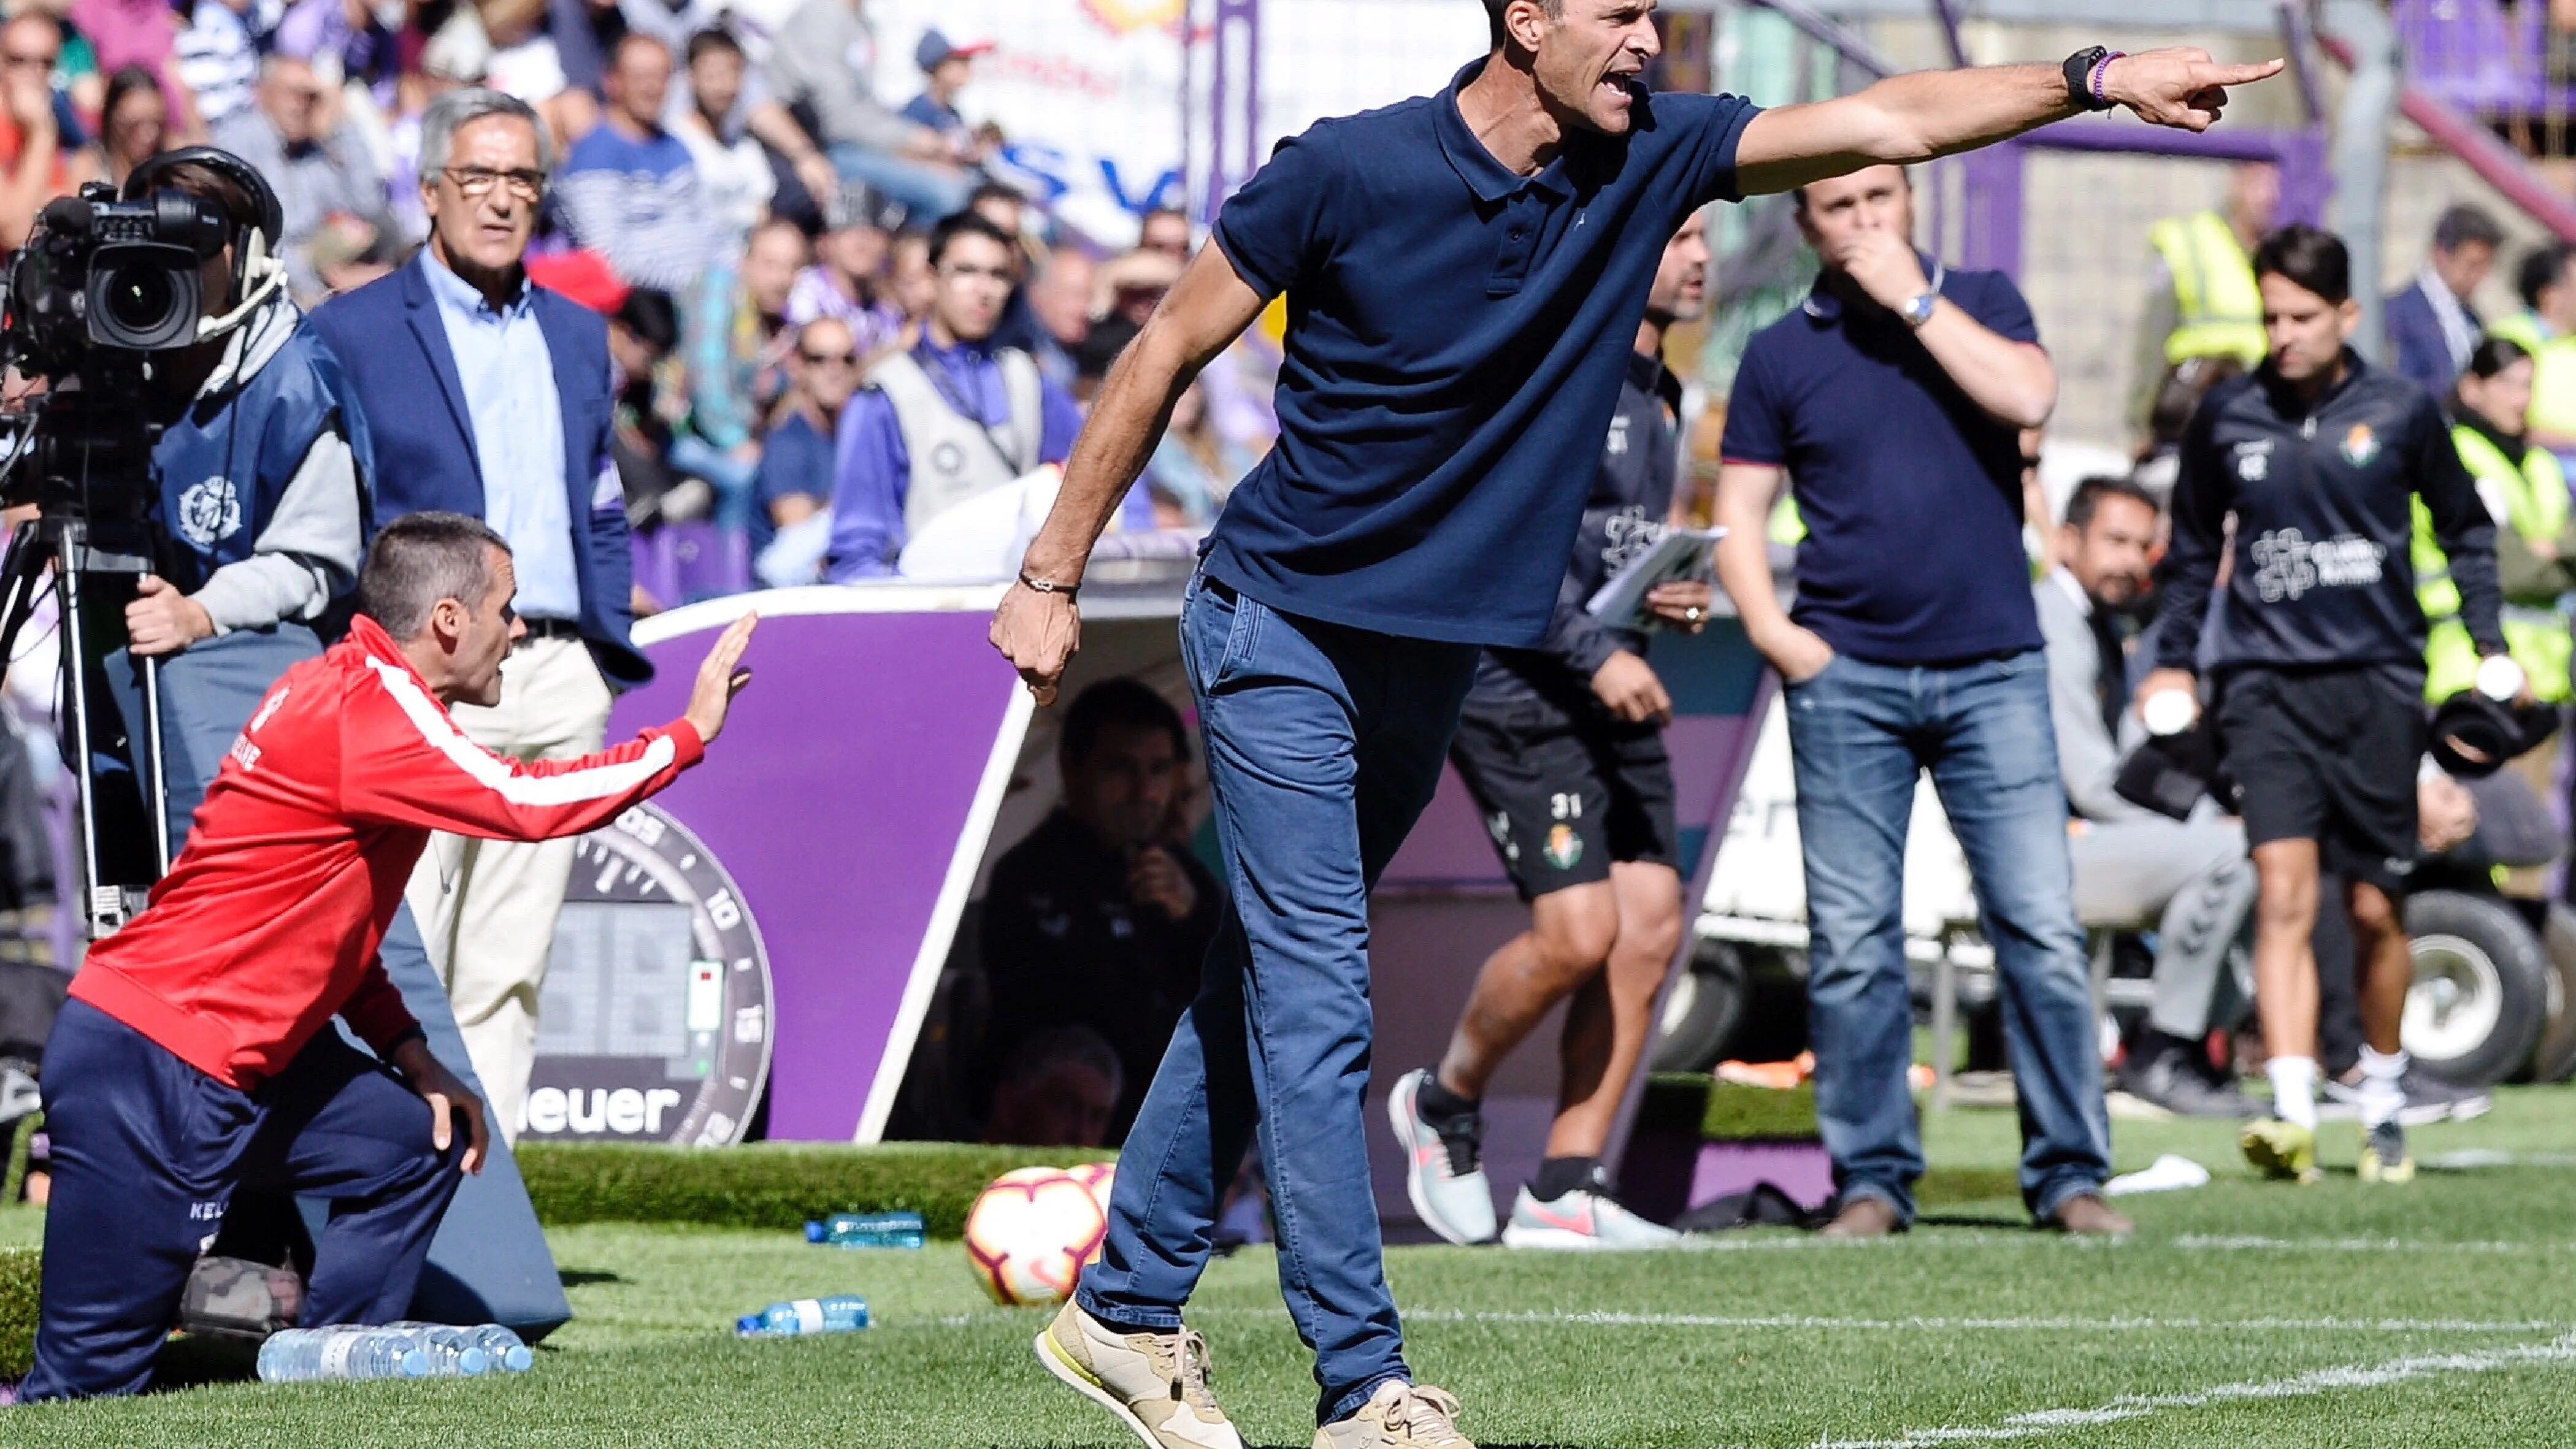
column 1564, row 795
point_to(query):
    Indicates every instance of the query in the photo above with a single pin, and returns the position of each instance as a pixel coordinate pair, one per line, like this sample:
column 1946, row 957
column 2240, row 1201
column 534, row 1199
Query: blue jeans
column 930, row 193
column 1323, row 745
column 1859, row 734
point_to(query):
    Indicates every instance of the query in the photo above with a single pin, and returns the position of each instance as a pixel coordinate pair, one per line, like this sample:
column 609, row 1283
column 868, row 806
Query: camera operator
column 196, row 1059
column 258, row 493
column 2318, row 658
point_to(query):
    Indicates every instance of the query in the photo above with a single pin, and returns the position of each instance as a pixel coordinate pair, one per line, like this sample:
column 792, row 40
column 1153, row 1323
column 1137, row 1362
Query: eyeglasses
column 822, row 359
column 479, row 181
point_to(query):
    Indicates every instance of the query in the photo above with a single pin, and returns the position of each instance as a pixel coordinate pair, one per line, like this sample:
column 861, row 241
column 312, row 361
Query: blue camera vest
column 224, row 464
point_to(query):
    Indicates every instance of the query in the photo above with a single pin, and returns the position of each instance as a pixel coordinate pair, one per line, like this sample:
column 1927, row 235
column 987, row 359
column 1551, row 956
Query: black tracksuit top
column 2323, row 498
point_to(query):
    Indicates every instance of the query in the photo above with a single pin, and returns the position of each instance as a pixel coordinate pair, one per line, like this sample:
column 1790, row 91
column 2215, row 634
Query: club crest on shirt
column 209, row 512
column 2360, row 445
column 1564, row 847
column 1617, row 445
column 2254, row 459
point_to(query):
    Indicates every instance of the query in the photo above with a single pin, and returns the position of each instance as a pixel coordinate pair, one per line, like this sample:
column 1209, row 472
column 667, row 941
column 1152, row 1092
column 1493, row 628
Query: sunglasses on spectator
column 820, row 359
column 479, row 181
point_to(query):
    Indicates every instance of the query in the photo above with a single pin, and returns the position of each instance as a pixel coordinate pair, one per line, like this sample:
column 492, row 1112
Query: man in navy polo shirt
column 1465, row 274
column 1894, row 400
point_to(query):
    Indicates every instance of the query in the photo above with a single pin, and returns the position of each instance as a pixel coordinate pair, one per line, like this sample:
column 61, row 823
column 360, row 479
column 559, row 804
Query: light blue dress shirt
column 510, row 396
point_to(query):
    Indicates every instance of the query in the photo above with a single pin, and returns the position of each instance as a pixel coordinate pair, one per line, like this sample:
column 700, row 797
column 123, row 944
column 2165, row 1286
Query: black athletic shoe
column 2427, row 1100
column 2170, row 1080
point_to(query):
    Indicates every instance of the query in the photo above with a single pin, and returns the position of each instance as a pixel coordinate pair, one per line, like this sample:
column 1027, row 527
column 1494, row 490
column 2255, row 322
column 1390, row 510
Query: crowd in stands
column 764, row 231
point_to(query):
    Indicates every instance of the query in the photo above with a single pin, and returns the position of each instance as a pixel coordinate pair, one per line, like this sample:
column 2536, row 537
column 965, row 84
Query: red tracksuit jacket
column 269, row 922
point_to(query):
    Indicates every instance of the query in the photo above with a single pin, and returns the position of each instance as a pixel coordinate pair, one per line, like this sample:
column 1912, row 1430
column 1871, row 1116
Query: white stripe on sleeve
column 569, row 788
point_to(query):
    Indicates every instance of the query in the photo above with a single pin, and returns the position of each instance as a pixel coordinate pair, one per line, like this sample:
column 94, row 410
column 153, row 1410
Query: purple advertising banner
column 849, row 797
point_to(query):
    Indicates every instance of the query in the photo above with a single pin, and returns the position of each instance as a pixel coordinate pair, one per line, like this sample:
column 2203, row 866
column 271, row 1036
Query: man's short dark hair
column 2493, row 355
column 421, row 558
column 2088, row 496
column 996, row 191
column 2312, row 258
column 1798, row 194
column 652, row 316
column 2543, row 269
column 2462, row 225
column 713, row 40
column 965, row 223
column 1494, row 17
column 1125, row 703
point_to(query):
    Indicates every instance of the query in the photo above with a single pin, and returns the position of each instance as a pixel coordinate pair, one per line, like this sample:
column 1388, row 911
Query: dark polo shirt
column 1457, row 335
column 1911, row 493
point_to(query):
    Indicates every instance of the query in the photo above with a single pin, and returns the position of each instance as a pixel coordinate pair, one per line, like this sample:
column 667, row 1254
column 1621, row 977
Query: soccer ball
column 1100, row 1177
column 1032, row 1232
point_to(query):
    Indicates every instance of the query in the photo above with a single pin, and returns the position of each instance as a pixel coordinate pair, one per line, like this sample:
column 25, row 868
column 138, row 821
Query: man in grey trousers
column 2191, row 876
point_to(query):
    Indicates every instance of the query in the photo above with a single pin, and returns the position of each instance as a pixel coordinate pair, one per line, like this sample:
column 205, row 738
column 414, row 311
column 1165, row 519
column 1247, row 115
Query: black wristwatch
column 2079, row 77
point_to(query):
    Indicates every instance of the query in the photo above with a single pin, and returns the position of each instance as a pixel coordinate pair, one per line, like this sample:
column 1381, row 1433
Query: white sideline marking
column 2470, row 1159
column 2037, row 1422
column 1999, row 1325
column 2201, row 1243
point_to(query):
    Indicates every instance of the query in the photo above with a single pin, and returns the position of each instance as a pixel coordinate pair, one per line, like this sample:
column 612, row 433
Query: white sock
column 2294, row 1089
column 2383, row 1089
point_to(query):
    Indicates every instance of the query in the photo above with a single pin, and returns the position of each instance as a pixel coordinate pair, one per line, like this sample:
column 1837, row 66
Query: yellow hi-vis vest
column 2553, row 372
column 2535, row 508
column 2221, row 306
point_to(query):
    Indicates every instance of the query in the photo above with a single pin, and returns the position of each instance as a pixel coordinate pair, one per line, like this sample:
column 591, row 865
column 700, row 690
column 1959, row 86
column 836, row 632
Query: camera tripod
column 54, row 555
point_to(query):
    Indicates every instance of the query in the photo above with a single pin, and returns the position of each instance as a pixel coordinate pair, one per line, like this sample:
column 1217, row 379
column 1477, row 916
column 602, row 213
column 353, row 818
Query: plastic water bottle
column 502, row 1349
column 348, row 1351
column 868, row 1230
column 444, row 1349
column 840, row 1313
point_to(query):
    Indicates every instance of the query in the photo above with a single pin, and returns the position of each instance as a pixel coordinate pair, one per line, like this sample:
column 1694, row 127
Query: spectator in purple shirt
column 953, row 417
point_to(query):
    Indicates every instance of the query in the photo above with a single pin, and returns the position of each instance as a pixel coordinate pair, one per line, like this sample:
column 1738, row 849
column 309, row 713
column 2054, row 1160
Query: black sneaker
column 2168, row 1079
column 2428, row 1100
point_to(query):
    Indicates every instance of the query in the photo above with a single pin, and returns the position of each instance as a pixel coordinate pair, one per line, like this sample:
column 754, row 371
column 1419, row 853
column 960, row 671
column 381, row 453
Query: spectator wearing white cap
column 848, row 279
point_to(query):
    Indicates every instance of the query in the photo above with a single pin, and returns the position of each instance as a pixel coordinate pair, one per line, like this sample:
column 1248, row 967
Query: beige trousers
column 487, row 908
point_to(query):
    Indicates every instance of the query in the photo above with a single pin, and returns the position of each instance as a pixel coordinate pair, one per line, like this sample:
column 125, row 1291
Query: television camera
column 103, row 287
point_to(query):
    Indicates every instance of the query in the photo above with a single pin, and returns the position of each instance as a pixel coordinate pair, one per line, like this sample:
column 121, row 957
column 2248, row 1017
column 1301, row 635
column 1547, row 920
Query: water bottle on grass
column 445, row 1350
column 348, row 1351
column 502, row 1349
column 796, row 1318
column 868, row 1230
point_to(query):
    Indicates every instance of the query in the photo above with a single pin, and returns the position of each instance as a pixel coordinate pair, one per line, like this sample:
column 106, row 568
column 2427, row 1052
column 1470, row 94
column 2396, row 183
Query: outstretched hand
column 720, row 679
column 2180, row 86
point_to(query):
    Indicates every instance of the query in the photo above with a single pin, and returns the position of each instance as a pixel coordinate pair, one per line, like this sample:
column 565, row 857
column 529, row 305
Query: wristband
column 1047, row 586
column 2101, row 71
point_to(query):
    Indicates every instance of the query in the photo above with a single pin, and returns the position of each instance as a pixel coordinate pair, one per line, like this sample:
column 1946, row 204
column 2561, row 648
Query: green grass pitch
column 2245, row 1315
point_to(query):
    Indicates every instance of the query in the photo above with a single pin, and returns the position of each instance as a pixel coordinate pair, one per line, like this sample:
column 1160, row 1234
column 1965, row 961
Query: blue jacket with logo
column 221, row 469
column 2323, row 497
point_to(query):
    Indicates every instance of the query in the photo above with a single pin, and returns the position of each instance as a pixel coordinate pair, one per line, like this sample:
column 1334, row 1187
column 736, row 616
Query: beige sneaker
column 1398, row 1416
column 1156, row 1383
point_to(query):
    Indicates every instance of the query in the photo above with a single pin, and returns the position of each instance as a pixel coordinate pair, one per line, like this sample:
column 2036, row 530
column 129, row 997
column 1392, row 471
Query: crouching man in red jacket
column 197, row 1055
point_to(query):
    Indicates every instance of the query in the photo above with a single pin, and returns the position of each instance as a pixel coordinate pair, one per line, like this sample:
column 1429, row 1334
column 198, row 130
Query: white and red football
column 1031, row 1233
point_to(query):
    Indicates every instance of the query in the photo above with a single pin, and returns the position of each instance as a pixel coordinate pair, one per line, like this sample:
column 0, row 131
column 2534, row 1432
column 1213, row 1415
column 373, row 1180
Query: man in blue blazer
column 2431, row 327
column 490, row 397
